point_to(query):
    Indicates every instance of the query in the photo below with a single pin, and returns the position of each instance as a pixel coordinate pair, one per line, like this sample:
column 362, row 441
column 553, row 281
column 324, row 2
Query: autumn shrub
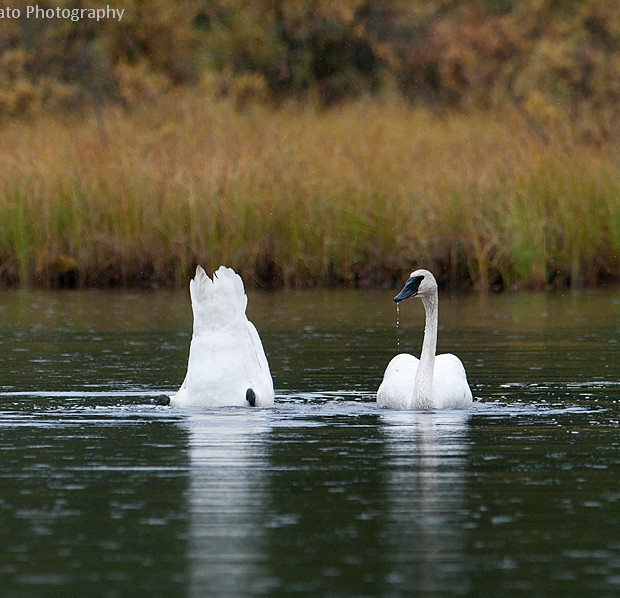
column 556, row 62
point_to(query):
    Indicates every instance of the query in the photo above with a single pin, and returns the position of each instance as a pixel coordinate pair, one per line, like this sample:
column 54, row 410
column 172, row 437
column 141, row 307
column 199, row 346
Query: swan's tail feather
column 227, row 276
column 199, row 286
column 218, row 301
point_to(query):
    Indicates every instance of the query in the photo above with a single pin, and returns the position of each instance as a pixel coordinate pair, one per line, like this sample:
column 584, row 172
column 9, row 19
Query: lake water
column 104, row 493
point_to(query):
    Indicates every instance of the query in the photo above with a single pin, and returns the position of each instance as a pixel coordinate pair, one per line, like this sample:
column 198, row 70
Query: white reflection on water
column 427, row 453
column 228, row 478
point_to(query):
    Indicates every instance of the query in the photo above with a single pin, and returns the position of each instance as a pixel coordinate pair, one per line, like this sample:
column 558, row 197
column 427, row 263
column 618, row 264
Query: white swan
column 227, row 363
column 432, row 382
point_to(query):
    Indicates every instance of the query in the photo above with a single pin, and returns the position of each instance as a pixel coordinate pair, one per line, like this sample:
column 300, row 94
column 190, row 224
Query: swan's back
column 396, row 389
column 450, row 387
column 226, row 356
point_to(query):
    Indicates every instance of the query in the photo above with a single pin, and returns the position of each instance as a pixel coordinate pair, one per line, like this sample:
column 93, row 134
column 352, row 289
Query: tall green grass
column 355, row 196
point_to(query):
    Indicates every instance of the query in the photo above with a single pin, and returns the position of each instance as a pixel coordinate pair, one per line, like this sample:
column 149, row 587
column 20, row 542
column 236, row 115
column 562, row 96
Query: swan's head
column 420, row 284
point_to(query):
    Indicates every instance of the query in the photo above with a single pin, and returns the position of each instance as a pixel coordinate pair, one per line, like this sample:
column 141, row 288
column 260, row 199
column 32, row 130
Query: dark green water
column 104, row 494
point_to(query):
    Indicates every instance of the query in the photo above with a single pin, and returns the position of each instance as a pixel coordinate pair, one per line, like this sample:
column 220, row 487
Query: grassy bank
column 356, row 195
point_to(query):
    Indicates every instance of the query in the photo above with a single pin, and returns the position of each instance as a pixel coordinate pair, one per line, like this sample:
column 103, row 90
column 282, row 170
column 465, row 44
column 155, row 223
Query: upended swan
column 432, row 382
column 227, row 364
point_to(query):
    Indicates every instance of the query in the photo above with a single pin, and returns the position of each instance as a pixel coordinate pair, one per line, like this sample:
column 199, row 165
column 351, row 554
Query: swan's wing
column 256, row 348
column 259, row 376
column 396, row 389
column 450, row 387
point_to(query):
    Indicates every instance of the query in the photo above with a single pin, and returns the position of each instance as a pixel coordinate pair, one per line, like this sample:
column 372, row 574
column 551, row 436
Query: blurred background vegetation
column 553, row 59
column 514, row 106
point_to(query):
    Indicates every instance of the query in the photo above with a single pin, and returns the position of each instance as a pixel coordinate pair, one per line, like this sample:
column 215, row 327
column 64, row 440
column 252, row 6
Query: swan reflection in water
column 240, row 491
column 226, row 497
column 426, row 455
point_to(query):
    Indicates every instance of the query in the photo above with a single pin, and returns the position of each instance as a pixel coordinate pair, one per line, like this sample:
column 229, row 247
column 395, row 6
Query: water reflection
column 324, row 493
column 426, row 463
column 325, row 501
column 89, row 497
column 229, row 477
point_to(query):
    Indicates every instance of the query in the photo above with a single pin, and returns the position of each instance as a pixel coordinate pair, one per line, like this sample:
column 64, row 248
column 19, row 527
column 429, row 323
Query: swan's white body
column 226, row 356
column 433, row 381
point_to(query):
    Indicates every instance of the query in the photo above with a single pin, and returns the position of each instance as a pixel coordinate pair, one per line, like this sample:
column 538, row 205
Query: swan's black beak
column 410, row 289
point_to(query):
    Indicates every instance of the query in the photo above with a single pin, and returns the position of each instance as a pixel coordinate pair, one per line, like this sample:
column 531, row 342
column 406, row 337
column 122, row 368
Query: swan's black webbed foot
column 163, row 400
column 250, row 397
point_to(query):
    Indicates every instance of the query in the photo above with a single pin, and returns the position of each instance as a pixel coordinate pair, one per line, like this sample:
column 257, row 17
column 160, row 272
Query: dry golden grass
column 294, row 196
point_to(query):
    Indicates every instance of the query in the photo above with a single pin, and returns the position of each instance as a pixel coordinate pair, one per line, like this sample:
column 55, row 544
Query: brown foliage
column 558, row 62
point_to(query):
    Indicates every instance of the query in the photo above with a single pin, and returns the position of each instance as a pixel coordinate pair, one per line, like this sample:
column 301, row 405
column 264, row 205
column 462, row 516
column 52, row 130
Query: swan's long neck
column 423, row 384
